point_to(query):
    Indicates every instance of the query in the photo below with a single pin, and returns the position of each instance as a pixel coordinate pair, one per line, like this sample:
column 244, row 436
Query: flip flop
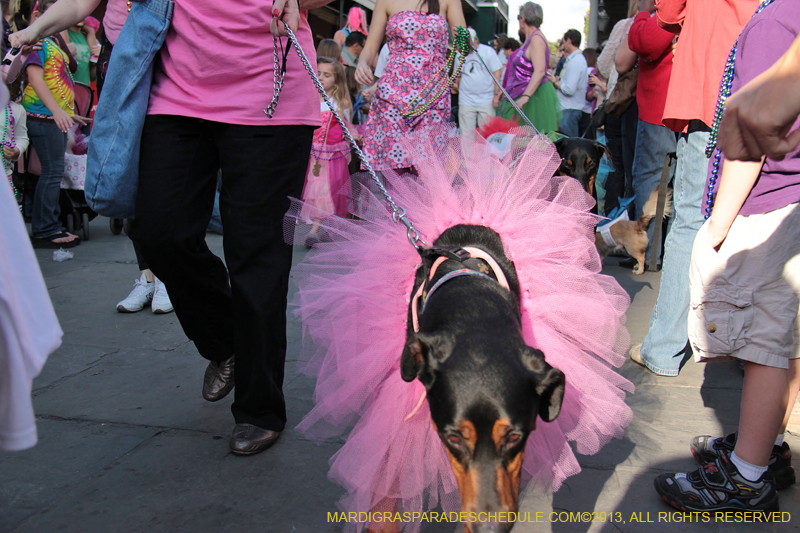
column 49, row 242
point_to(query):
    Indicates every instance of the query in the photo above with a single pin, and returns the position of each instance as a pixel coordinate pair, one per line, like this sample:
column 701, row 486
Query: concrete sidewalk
column 127, row 444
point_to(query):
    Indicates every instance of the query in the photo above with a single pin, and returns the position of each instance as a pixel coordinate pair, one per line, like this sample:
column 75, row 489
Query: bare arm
column 625, row 59
column 535, row 53
column 287, row 13
column 306, row 5
column 735, row 184
column 340, row 37
column 60, row 16
column 368, row 57
column 454, row 15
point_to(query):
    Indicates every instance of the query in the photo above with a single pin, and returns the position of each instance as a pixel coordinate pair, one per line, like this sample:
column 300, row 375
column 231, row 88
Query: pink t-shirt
column 114, row 19
column 217, row 64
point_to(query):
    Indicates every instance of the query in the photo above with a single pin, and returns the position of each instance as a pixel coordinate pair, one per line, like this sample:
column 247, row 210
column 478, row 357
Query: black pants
column 630, row 123
column 262, row 167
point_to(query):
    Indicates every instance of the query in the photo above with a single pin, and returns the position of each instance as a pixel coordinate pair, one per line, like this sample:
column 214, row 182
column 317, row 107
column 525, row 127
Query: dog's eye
column 569, row 162
column 514, row 437
column 454, row 439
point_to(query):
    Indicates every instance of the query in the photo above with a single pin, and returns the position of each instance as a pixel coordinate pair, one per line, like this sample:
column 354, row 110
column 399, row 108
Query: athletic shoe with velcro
column 718, row 487
column 707, row 449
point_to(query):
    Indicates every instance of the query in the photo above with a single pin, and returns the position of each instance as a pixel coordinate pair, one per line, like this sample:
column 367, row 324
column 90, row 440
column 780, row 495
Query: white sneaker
column 161, row 304
column 140, row 296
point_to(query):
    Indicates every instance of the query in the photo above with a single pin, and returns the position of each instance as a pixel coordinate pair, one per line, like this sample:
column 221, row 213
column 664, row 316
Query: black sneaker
column 707, row 449
column 718, row 487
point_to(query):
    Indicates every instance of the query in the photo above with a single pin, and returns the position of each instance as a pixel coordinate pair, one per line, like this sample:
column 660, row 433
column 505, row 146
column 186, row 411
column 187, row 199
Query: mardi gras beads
column 9, row 122
column 719, row 112
column 436, row 87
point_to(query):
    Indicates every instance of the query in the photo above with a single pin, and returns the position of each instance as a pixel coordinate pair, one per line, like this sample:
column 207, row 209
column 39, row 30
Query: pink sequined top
column 519, row 69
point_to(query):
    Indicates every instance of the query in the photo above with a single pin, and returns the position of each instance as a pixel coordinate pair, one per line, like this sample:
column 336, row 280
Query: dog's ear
column 422, row 355
column 604, row 149
column 560, row 143
column 548, row 382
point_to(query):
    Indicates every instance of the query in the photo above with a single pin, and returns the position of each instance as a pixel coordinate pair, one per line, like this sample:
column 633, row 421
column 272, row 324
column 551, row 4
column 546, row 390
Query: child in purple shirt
column 745, row 287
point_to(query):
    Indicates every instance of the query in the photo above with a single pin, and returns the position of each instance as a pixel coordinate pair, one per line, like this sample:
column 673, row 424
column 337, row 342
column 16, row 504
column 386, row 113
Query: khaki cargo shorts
column 744, row 298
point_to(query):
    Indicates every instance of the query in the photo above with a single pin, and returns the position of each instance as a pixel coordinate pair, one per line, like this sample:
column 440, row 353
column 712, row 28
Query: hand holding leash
column 284, row 13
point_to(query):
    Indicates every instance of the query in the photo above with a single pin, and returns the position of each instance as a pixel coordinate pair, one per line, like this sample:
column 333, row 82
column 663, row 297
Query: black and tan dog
column 580, row 159
column 485, row 386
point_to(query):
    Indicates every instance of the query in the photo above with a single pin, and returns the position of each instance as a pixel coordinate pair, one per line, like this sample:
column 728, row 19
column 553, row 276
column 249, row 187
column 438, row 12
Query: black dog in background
column 580, row 159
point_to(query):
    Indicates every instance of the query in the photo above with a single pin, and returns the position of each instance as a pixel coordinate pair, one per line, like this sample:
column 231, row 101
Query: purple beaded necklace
column 724, row 94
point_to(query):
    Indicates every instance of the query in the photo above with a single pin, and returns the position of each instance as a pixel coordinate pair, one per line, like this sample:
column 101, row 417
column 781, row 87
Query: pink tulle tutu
column 353, row 301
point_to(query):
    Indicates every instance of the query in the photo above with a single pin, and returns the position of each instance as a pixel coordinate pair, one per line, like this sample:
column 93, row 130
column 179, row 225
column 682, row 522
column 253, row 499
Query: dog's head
column 580, row 159
column 484, row 394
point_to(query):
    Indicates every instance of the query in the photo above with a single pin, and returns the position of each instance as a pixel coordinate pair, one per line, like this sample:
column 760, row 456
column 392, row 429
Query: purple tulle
column 353, row 300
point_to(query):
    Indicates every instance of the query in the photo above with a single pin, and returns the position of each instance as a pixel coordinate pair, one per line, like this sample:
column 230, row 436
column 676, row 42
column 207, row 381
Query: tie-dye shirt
column 55, row 65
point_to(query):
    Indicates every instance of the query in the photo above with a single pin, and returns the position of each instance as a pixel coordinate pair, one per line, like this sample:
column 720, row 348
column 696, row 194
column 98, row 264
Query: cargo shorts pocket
column 720, row 316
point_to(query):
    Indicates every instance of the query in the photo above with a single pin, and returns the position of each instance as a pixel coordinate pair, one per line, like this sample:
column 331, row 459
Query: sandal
column 49, row 242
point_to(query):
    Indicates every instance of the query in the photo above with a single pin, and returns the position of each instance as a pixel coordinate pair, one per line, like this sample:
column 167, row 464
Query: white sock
column 779, row 440
column 748, row 471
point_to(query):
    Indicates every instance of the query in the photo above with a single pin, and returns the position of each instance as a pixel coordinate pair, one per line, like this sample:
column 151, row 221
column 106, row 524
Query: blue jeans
column 569, row 122
column 50, row 143
column 112, row 165
column 663, row 347
column 653, row 143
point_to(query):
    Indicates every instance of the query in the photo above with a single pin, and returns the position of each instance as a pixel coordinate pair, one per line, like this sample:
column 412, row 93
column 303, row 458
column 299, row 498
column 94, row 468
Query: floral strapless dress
column 417, row 50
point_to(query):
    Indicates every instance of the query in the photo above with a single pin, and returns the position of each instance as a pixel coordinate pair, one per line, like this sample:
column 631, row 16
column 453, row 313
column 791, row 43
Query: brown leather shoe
column 218, row 381
column 248, row 439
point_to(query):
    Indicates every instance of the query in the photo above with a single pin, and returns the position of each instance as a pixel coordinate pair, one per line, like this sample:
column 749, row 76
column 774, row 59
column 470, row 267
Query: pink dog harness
column 475, row 253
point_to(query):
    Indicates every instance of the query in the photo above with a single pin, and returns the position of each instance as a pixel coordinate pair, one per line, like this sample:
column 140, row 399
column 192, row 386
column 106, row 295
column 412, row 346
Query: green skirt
column 543, row 109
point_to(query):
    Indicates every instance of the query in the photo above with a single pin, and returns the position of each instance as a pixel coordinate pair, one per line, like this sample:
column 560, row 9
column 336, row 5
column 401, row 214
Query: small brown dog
column 631, row 235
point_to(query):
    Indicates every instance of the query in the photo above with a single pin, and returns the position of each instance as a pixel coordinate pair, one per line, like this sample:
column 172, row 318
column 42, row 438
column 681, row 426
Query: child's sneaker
column 161, row 303
column 140, row 296
column 707, row 449
column 718, row 487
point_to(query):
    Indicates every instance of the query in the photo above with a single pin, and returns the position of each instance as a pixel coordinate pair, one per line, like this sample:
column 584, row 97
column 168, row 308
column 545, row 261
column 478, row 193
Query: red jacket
column 654, row 47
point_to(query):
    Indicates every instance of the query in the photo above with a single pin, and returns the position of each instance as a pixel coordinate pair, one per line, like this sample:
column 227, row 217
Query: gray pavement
column 127, row 444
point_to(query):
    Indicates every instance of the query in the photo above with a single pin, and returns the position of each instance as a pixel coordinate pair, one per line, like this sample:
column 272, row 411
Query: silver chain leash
column 279, row 73
column 398, row 213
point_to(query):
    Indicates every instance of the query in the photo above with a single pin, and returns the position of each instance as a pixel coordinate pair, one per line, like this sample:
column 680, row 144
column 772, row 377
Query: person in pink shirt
column 706, row 32
column 212, row 81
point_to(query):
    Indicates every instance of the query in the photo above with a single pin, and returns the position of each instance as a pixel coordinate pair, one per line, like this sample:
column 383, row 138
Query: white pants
column 473, row 116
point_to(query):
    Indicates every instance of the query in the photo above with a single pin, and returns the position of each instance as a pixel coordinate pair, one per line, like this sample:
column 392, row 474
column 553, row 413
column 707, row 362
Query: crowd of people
column 730, row 280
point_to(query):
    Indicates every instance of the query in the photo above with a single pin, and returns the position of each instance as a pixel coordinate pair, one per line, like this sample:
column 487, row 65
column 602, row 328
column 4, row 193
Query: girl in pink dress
column 417, row 41
column 327, row 176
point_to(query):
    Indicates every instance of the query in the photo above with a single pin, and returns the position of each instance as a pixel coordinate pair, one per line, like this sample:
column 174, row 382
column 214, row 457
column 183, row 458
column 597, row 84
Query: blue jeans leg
column 663, row 347
column 50, row 143
column 653, row 143
column 569, row 122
